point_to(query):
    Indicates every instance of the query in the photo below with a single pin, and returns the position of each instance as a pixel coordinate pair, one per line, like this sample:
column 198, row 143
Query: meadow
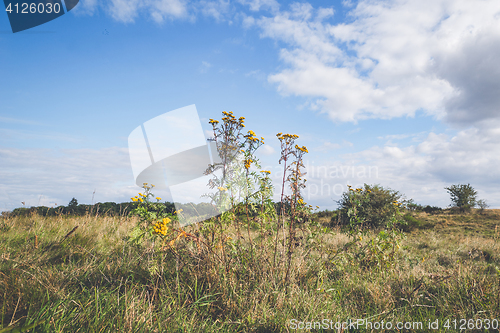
column 259, row 266
column 55, row 278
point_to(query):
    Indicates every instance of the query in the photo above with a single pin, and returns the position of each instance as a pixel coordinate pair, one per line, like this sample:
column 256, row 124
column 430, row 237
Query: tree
column 73, row 203
column 462, row 196
column 72, row 206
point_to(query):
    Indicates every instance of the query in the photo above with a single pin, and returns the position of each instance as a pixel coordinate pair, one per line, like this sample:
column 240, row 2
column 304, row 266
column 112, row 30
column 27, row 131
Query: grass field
column 93, row 280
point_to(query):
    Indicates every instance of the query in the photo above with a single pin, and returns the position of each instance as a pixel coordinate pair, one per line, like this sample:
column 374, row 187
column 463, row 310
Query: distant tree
column 462, row 196
column 73, row 203
column 72, row 206
column 482, row 205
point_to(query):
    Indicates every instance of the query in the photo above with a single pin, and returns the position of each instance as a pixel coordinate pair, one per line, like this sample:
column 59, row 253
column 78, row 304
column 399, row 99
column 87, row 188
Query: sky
column 401, row 93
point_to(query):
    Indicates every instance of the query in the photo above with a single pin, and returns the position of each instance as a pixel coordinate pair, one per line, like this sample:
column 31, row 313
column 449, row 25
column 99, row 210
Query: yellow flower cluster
column 300, row 201
column 358, row 190
column 222, row 188
column 248, row 163
column 302, row 149
column 251, row 137
column 282, row 136
column 136, row 198
column 143, row 196
column 228, row 115
column 228, row 118
column 158, row 198
column 178, row 211
column 161, row 227
column 267, row 172
column 396, row 203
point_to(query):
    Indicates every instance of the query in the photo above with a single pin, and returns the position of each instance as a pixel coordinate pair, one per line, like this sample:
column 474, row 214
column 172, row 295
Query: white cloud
column 59, row 175
column 257, row 5
column 162, row 9
column 419, row 170
column 127, row 10
column 324, row 13
column 217, row 9
column 248, row 21
column 267, row 150
column 468, row 157
column 327, row 146
column 205, row 66
column 15, row 135
column 395, row 58
column 85, row 7
column 9, row 120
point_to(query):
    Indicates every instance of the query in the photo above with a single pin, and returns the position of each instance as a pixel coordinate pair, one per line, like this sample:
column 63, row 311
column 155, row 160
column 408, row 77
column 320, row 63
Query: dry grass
column 94, row 281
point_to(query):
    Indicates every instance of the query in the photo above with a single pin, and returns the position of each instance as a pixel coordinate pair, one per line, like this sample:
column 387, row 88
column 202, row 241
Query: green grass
column 94, row 281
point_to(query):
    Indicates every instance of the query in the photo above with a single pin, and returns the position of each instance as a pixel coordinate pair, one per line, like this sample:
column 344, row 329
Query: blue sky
column 407, row 89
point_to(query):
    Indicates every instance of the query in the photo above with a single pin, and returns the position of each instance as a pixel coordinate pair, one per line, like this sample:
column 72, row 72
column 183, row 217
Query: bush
column 432, row 209
column 413, row 207
column 411, row 223
column 326, row 213
column 482, row 205
column 374, row 205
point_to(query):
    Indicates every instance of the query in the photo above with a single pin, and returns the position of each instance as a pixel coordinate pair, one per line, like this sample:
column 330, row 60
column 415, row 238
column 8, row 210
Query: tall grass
column 93, row 280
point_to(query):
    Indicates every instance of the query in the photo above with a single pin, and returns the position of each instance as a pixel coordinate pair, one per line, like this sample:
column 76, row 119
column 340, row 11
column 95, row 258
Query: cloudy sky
column 402, row 93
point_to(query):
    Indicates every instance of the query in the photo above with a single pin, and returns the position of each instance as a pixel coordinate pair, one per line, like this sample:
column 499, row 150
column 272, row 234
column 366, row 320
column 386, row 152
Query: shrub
column 432, row 209
column 482, row 205
column 411, row 223
column 413, row 207
column 374, row 206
